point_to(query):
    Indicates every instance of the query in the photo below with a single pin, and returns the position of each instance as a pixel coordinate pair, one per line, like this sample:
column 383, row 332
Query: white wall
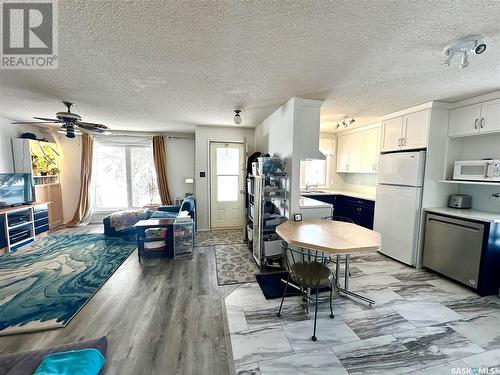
column 180, row 165
column 204, row 135
column 292, row 133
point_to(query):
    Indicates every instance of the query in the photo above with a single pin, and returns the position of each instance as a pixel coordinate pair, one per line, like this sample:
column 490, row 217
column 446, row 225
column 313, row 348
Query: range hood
column 306, row 129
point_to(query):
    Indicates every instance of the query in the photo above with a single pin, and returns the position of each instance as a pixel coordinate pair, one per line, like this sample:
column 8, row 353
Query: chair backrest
column 189, row 204
column 339, row 218
column 303, row 265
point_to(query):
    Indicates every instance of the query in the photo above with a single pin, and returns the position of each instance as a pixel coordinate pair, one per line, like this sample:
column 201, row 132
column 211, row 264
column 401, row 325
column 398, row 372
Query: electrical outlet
column 495, row 197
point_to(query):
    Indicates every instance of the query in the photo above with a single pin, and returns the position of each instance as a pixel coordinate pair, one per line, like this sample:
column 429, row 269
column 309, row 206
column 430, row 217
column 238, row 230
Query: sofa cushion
column 25, row 363
column 82, row 362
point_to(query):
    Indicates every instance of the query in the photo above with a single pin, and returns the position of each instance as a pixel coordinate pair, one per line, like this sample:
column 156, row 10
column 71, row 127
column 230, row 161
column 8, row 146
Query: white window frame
column 328, row 163
column 128, row 174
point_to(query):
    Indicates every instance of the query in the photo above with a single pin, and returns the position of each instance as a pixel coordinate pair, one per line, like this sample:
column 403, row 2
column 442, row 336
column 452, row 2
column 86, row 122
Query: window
column 227, row 169
column 313, row 172
column 124, row 177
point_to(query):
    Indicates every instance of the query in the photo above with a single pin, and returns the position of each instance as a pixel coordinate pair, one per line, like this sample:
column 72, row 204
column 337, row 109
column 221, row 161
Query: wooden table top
column 334, row 237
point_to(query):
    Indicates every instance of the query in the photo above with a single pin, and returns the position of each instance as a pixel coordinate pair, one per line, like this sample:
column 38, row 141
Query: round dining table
column 333, row 237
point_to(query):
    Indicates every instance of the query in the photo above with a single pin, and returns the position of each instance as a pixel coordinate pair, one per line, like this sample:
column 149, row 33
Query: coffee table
column 141, row 227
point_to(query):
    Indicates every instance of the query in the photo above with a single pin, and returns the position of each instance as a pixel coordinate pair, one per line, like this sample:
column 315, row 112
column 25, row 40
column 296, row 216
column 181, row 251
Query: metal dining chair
column 308, row 269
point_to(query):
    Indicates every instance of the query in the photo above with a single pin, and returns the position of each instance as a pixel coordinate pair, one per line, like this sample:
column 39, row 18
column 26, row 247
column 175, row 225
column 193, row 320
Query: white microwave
column 477, row 170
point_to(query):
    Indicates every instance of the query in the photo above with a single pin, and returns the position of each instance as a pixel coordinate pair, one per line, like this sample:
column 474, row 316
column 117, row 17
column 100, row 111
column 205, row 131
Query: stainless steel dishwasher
column 453, row 247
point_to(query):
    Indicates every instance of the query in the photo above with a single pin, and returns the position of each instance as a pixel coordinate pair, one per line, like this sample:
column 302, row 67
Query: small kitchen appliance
column 460, row 201
column 477, row 170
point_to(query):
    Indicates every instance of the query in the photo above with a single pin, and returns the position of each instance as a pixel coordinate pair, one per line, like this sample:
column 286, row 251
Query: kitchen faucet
column 308, row 186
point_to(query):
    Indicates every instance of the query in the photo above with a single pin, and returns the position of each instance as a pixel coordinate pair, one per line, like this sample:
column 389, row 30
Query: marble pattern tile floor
column 421, row 324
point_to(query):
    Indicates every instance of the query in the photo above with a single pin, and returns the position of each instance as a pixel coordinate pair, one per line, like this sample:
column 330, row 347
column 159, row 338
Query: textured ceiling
column 168, row 66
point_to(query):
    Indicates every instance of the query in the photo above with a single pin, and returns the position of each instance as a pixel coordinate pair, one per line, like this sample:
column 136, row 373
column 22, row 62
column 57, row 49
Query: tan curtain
column 84, row 209
column 160, row 160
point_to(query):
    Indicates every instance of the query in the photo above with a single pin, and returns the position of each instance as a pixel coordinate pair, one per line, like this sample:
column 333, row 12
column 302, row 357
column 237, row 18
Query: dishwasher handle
column 467, row 225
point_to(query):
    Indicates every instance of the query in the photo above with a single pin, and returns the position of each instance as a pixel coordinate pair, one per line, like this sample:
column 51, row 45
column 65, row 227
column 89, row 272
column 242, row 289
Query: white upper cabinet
column 371, row 150
column 406, row 132
column 358, row 152
column 392, row 131
column 416, row 130
column 474, row 119
column 465, row 120
column 490, row 116
column 347, row 160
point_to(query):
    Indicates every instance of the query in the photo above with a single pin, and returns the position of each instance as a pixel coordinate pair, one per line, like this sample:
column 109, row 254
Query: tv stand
column 21, row 224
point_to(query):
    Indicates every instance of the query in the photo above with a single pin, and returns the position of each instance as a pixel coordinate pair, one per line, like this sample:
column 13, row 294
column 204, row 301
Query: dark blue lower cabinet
column 360, row 211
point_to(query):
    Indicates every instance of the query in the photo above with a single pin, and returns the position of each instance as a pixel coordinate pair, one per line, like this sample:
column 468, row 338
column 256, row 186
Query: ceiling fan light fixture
column 237, row 117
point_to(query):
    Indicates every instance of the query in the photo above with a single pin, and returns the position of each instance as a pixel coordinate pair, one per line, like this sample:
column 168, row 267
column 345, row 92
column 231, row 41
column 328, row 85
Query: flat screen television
column 15, row 189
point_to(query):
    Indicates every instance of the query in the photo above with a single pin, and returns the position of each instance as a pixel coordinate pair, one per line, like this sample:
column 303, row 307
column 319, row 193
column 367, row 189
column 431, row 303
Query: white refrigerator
column 398, row 204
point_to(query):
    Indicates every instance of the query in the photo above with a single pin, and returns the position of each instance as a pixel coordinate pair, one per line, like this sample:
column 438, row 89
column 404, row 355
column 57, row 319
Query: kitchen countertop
column 347, row 193
column 305, row 202
column 467, row 213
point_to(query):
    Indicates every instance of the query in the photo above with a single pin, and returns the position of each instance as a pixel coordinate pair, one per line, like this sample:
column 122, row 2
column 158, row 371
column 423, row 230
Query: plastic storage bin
column 270, row 165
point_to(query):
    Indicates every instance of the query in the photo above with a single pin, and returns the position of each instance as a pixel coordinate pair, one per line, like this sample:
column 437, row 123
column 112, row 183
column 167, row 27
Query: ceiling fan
column 71, row 123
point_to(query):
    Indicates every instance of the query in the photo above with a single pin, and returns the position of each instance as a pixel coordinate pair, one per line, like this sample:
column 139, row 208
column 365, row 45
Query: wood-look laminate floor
column 164, row 317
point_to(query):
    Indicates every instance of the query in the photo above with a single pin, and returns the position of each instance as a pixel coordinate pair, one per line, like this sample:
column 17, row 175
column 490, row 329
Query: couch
column 171, row 211
column 163, row 212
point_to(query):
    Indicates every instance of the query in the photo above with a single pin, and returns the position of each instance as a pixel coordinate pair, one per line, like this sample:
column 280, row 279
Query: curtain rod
column 145, row 135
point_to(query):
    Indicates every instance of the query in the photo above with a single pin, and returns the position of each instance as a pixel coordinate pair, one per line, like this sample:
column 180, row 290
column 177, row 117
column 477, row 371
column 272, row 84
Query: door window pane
column 111, row 177
column 143, row 177
column 228, row 161
column 227, row 188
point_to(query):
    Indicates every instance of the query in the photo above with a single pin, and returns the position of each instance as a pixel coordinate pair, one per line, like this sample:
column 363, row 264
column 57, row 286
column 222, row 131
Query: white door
column 226, row 185
column 490, row 116
column 392, row 134
column 465, row 120
column 397, row 212
column 416, row 130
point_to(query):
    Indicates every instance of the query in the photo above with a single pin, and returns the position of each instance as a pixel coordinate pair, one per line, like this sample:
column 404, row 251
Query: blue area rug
column 44, row 285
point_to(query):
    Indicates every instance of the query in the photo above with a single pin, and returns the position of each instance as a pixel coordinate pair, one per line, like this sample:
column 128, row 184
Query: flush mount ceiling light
column 237, row 117
column 464, row 47
column 345, row 122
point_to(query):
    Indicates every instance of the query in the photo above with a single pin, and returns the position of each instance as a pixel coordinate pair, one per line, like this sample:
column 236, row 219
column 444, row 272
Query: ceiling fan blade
column 91, row 126
column 48, row 119
column 35, row 123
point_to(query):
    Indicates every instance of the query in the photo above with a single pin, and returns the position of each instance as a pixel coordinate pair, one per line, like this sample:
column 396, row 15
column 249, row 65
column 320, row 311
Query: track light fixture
column 237, row 117
column 345, row 123
column 464, row 47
